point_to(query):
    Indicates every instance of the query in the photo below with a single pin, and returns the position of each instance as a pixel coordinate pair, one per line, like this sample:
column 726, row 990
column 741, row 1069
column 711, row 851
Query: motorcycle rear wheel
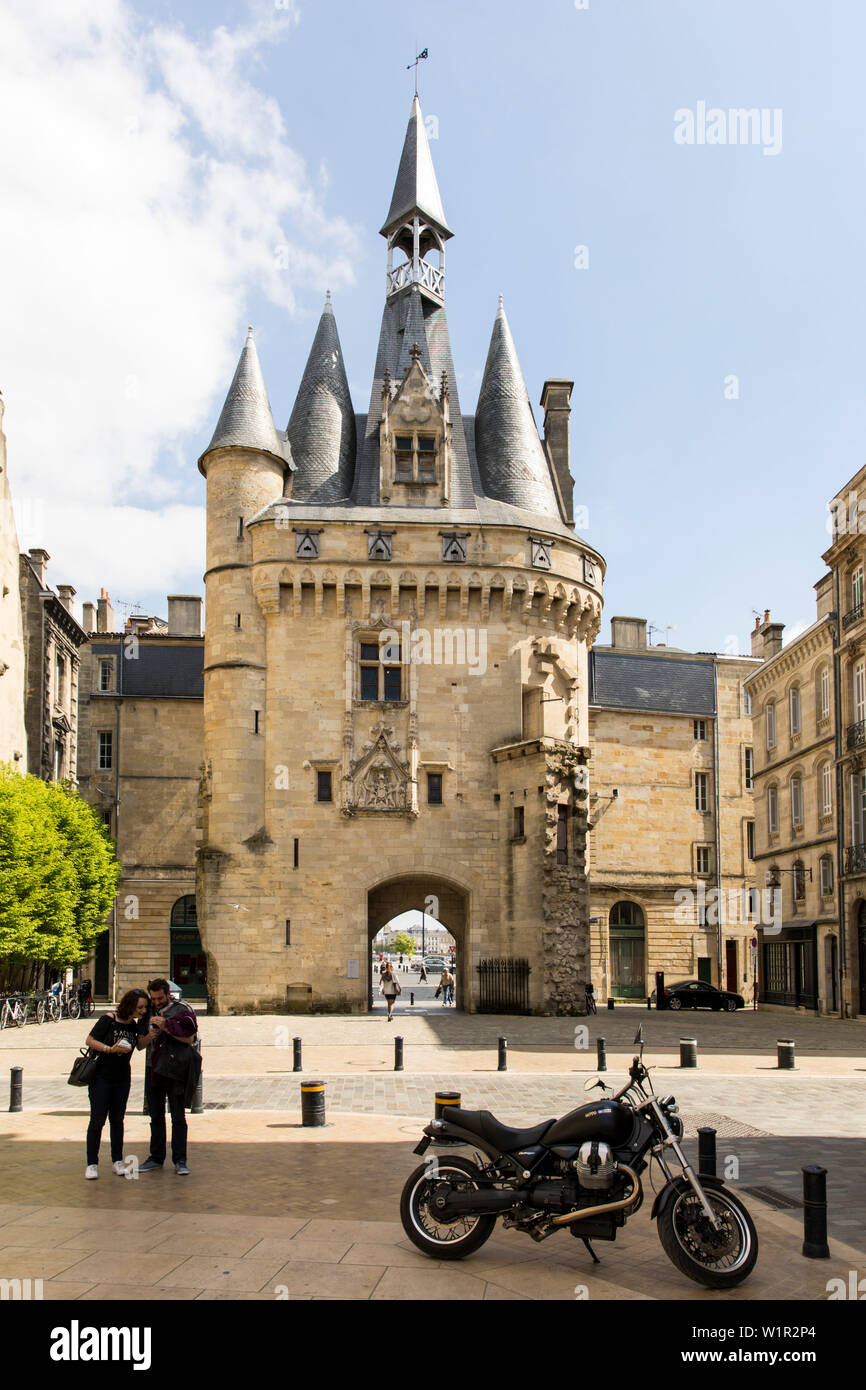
column 441, row 1239
column 717, row 1259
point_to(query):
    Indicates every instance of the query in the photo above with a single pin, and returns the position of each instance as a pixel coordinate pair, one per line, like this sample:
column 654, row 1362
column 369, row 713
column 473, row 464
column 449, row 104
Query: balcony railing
column 857, row 734
column 853, row 615
column 855, row 859
column 429, row 277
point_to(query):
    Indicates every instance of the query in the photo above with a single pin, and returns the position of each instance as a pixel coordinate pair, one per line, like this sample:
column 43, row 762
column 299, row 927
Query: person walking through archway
column 390, row 986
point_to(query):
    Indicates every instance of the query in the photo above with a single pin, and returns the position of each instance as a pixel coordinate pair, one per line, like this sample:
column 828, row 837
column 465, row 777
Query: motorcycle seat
column 505, row 1139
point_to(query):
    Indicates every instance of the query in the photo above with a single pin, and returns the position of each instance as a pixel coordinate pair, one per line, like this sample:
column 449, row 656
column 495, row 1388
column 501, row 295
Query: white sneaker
column 91, row 1171
column 119, row 1168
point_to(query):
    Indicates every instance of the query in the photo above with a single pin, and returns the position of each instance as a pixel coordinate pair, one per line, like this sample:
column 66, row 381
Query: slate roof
column 636, row 681
column 246, row 420
column 171, row 669
column 415, row 185
column 321, row 430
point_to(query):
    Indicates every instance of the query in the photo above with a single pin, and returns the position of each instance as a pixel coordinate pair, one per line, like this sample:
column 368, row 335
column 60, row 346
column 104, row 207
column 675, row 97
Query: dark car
column 697, row 994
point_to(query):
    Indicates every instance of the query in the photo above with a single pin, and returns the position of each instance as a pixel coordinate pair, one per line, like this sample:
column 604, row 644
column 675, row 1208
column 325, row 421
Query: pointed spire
column 511, row 458
column 416, row 189
column 321, row 430
column 246, row 421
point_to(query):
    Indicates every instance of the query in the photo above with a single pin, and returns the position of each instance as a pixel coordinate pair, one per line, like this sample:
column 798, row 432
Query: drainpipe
column 835, row 632
column 722, row 912
column 117, row 705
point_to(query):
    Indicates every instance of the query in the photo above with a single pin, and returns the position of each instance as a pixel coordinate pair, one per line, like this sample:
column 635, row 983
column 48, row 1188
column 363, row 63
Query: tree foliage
column 404, row 944
column 58, row 875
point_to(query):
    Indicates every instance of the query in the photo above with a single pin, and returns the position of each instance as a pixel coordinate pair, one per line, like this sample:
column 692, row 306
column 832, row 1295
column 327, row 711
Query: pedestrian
column 390, row 986
column 446, row 984
column 422, row 978
column 114, row 1039
column 174, row 1020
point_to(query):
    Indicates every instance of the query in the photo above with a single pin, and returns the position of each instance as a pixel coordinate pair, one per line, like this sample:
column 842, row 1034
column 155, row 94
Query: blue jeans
column 107, row 1100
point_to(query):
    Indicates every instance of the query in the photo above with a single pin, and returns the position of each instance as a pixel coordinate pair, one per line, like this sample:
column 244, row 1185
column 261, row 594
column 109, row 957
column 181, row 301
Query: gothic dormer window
column 415, row 439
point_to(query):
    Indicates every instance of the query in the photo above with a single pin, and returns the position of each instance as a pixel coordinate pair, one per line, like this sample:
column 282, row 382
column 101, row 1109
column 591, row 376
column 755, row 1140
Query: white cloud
column 148, row 186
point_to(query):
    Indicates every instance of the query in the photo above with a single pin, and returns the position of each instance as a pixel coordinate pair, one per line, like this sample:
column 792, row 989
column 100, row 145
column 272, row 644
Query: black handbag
column 172, row 1060
column 84, row 1068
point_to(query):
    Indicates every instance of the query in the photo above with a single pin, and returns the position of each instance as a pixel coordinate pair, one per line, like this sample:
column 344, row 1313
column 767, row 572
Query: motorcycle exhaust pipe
column 571, row 1217
column 476, row 1203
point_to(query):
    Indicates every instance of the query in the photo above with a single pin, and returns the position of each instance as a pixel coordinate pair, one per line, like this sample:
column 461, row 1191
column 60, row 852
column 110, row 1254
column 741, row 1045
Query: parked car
column 697, row 994
column 434, row 963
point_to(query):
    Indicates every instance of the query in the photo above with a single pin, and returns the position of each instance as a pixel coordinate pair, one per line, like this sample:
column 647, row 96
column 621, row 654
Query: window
column 860, row 692
column 700, row 726
column 747, row 703
column 323, row 787
column 857, row 588
column 381, row 673
column 826, row 876
column 240, row 528
column 519, row 825
column 562, row 835
column 434, row 788
column 702, row 854
column 749, row 768
column 773, row 810
column 106, row 675
column 106, row 742
column 415, row 458
column 799, row 882
column 60, row 689
column 750, row 839
column 701, row 791
column 822, row 693
column 796, row 802
column 825, row 775
column 794, row 709
column 770, row 716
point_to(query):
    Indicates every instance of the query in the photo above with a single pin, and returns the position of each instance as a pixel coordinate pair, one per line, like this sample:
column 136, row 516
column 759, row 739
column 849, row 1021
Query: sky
column 175, row 171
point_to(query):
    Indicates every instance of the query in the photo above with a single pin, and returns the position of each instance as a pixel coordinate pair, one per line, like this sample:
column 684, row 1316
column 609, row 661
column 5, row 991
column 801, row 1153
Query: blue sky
column 555, row 130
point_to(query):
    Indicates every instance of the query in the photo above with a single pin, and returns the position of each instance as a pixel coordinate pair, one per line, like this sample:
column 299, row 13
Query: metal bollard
column 312, row 1103
column 601, row 1054
column 785, row 1054
column 16, row 1090
column 398, row 1054
column 411, row 996
column 197, row 1107
column 503, row 1055
column 649, row 1002
column 815, row 1245
column 445, row 1101
column 297, row 1059
column 688, row 1052
column 610, row 1003
column 707, row 1151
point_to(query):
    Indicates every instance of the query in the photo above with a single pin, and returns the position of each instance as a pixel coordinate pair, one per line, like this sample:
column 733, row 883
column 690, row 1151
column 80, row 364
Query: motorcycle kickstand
column 595, row 1258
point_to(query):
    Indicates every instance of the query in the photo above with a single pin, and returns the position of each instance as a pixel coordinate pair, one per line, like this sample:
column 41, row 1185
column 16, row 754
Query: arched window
column 822, row 694
column 796, row 801
column 627, row 951
column 183, row 914
column 770, row 718
column 794, row 709
column 773, row 810
column 826, row 876
column 825, row 788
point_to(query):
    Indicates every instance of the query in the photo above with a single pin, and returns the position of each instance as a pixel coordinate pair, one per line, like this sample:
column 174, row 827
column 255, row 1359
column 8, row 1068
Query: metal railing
column 853, row 615
column 855, row 859
column 504, row 985
column 856, row 733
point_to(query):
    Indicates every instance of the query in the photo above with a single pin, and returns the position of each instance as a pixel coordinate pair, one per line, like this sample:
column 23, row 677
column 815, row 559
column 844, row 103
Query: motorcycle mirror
column 594, row 1082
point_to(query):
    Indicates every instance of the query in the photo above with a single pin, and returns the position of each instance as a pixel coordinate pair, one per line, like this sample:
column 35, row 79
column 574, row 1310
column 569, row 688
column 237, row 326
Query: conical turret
column 510, row 454
column 246, row 421
column 321, row 430
column 415, row 188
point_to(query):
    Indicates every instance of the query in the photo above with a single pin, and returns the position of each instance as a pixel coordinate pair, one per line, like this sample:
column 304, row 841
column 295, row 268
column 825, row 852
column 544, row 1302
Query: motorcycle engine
column 595, row 1166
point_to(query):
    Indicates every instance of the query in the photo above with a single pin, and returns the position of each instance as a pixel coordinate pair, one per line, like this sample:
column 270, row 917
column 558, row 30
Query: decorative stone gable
column 379, row 780
column 415, row 440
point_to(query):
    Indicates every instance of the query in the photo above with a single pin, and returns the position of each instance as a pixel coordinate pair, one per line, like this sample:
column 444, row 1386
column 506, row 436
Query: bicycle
column 591, row 1006
column 14, row 1011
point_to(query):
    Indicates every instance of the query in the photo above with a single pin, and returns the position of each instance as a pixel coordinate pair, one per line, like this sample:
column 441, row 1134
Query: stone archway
column 449, row 905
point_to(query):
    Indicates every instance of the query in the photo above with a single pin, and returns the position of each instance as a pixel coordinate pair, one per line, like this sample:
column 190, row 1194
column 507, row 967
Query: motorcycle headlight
column 676, row 1125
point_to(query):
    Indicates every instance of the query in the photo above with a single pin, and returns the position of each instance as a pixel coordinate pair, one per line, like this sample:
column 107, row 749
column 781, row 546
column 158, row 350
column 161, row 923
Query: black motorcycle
column 581, row 1173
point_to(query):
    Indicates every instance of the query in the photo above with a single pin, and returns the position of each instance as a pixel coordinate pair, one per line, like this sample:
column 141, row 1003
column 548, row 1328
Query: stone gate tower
column 398, row 618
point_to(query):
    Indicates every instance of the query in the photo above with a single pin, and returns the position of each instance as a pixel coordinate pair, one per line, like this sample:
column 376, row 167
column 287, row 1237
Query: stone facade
column 13, row 739
column 53, row 639
column 661, row 721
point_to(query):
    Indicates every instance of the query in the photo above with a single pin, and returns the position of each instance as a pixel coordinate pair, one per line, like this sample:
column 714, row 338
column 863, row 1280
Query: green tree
column 403, row 943
column 58, row 877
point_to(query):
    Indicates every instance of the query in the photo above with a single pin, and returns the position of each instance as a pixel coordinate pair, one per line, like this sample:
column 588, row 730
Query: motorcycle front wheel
column 718, row 1259
column 443, row 1240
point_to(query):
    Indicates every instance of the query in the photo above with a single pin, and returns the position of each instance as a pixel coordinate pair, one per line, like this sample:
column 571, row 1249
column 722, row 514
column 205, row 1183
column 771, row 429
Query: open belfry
column 395, row 679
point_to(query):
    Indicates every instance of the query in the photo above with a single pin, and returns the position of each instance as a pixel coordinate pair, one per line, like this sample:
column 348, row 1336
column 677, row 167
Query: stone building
column 13, row 738
column 52, row 640
column 140, row 753
column 796, row 800
column 671, row 816
column 395, row 681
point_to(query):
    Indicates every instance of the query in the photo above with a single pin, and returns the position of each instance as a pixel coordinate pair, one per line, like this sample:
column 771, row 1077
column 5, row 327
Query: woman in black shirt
column 115, row 1039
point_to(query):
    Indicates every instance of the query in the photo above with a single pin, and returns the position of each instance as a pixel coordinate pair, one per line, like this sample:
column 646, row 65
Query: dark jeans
column 158, row 1091
column 107, row 1099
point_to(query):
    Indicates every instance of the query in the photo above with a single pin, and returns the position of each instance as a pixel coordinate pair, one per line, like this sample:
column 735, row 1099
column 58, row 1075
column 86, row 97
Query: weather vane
column 422, row 54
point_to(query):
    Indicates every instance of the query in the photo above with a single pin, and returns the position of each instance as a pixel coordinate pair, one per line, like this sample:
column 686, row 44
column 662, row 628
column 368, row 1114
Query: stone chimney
column 66, row 594
column 824, row 596
column 184, row 615
column 628, row 633
column 555, row 402
column 88, row 617
column 767, row 637
column 39, row 560
column 104, row 614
